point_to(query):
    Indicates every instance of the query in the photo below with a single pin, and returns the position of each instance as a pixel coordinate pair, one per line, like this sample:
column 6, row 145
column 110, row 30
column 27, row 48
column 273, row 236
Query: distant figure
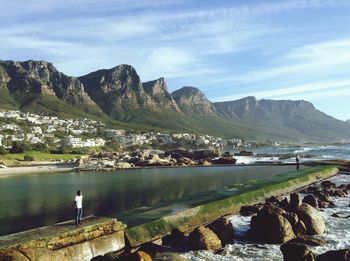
column 297, row 159
column 78, row 207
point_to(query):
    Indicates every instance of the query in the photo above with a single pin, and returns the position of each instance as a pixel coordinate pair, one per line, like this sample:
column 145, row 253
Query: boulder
column 206, row 163
column 311, row 200
column 308, row 240
column 126, row 256
column 312, row 189
column 152, row 248
column 168, row 257
column 224, row 160
column 123, row 165
column 9, row 255
column 291, row 217
column 339, row 193
column 312, row 219
column 323, row 196
column 249, row 210
column 322, row 204
column 299, row 228
column 223, row 229
column 270, row 226
column 176, row 239
column 294, row 200
column 327, row 184
column 203, row 238
column 335, row 255
column 284, row 204
column 296, row 252
column 272, row 200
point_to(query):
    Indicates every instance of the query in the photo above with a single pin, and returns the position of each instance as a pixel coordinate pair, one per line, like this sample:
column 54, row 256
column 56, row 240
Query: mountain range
column 118, row 97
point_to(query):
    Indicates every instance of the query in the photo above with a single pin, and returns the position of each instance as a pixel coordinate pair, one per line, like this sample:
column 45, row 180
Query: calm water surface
column 133, row 196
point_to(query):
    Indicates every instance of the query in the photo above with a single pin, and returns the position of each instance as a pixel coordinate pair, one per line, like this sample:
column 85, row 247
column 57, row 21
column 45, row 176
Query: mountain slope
column 119, row 97
column 284, row 119
column 39, row 85
column 192, row 101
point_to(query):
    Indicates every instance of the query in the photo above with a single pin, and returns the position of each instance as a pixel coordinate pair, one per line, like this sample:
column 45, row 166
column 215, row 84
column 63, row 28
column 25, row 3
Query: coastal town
column 87, row 133
column 108, row 148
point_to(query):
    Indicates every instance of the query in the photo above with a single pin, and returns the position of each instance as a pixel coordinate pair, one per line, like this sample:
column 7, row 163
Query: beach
column 17, row 171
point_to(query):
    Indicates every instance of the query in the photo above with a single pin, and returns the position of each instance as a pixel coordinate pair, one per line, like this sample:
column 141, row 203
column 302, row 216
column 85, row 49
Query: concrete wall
column 64, row 241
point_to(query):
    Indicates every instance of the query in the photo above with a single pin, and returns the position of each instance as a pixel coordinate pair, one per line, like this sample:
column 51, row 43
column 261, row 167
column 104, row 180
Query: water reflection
column 38, row 200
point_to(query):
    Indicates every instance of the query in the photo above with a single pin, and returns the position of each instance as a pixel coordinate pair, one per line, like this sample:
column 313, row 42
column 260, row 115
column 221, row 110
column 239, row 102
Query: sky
column 229, row 49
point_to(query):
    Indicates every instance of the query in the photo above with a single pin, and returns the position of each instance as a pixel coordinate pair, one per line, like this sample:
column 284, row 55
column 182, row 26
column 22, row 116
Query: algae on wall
column 251, row 193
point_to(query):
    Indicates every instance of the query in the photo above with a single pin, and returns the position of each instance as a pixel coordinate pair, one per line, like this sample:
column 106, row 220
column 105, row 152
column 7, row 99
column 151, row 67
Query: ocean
column 287, row 155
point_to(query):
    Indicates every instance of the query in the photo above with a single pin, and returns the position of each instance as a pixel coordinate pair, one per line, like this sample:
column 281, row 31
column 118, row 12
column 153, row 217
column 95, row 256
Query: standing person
column 78, row 207
column 297, row 159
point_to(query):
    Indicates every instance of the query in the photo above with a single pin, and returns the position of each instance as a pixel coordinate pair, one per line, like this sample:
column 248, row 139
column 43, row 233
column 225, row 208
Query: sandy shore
column 15, row 171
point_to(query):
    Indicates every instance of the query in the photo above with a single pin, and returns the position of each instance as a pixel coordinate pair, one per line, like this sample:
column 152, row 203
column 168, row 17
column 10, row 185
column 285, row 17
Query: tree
column 20, row 147
column 40, row 147
column 3, row 151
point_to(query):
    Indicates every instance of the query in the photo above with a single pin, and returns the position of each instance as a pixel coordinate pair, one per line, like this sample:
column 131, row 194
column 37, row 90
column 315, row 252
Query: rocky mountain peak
column 42, row 78
column 158, row 90
column 192, row 100
column 116, row 90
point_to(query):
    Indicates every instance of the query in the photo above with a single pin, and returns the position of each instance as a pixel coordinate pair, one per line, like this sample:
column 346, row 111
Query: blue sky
column 229, row 49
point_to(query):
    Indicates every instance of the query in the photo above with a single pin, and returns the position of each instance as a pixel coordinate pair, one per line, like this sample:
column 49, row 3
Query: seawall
column 206, row 213
column 65, row 241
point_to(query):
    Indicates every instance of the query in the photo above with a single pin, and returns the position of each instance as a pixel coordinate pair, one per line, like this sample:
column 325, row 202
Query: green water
column 133, row 196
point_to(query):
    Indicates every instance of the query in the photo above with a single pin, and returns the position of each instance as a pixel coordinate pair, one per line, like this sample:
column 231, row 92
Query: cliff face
column 158, row 91
column 192, row 101
column 284, row 118
column 117, row 91
column 30, row 79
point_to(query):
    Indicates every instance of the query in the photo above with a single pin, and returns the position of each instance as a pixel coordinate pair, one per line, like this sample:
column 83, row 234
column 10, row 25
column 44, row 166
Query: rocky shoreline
column 141, row 159
column 295, row 222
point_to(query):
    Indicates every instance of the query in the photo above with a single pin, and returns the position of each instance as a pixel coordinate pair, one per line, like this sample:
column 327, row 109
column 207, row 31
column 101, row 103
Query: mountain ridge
column 119, row 93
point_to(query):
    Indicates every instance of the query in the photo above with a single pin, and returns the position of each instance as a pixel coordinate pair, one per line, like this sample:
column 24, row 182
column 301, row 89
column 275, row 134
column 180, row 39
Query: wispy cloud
column 229, row 48
column 341, row 87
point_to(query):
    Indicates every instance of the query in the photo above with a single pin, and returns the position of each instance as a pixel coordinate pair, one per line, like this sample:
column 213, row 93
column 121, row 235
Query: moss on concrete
column 249, row 193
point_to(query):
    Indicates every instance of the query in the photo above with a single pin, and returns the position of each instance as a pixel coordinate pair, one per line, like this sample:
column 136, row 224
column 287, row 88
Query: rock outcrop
column 118, row 91
column 30, row 80
column 203, row 238
column 271, row 226
column 158, row 90
column 223, row 229
column 335, row 255
column 312, row 219
column 192, row 101
column 296, row 252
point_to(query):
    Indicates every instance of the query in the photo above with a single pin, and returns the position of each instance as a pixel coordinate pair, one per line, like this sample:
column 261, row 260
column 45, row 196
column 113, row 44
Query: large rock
column 335, row 255
column 249, row 210
column 223, row 229
column 327, row 184
column 168, row 257
column 203, row 238
column 311, row 200
column 312, row 219
column 294, row 200
column 308, row 240
column 270, row 226
column 12, row 255
column 296, row 252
